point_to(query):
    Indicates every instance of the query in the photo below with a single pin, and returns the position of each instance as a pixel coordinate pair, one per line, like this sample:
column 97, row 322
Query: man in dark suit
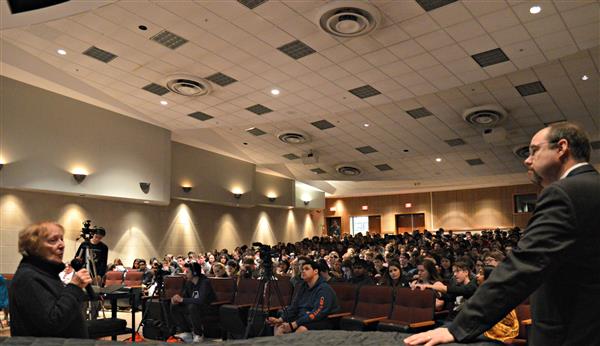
column 556, row 262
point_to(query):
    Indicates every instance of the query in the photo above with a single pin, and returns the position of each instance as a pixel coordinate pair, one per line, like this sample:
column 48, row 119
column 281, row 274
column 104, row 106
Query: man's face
column 460, row 275
column 543, row 163
column 97, row 238
column 181, row 262
column 308, row 273
column 403, row 261
column 491, row 261
column 358, row 271
column 142, row 266
column 52, row 244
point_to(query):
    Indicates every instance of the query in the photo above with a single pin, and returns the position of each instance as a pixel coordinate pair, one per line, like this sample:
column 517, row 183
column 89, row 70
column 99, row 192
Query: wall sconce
column 272, row 199
column 145, row 187
column 237, row 195
column 1, row 165
column 306, row 202
column 79, row 177
column 186, row 189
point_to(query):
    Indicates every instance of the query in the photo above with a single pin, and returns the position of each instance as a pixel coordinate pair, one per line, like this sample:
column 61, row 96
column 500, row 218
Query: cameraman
column 99, row 252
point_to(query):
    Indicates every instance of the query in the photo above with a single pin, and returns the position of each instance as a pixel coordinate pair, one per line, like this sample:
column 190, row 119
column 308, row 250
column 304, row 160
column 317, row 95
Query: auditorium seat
column 234, row 316
column 113, row 279
column 412, row 311
column 523, row 311
column 132, row 281
column 372, row 305
column 172, row 286
column 346, row 297
column 224, row 289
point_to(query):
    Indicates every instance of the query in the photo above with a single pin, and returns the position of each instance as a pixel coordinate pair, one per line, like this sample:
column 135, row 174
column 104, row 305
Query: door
column 375, row 224
column 410, row 222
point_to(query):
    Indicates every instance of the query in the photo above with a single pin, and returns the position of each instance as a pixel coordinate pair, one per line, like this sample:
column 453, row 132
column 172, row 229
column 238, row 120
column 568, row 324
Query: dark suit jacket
column 557, row 261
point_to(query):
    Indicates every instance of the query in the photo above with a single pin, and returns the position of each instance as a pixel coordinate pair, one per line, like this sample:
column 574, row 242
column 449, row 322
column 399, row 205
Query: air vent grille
column 200, row 116
column 455, row 142
column 156, row 89
column 99, row 54
column 366, row 149
column 474, row 162
column 296, row 49
column 293, row 137
column 252, row 4
column 322, row 124
column 188, row 85
column 531, row 88
column 291, row 156
column 490, row 57
column 255, row 131
column 221, row 79
column 169, row 39
column 384, row 167
column 364, row 91
column 419, row 112
column 348, row 170
column 259, row 109
column 429, row 5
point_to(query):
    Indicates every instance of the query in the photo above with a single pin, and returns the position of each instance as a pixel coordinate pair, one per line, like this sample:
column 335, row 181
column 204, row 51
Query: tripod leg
column 259, row 300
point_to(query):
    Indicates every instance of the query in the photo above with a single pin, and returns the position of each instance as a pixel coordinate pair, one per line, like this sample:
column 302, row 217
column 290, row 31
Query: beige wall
column 45, row 136
column 138, row 230
column 456, row 210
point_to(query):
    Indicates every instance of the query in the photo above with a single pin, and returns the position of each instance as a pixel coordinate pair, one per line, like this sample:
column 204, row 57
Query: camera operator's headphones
column 194, row 268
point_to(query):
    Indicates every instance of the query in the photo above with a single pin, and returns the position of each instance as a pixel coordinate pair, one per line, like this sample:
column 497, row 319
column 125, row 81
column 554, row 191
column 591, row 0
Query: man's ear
column 563, row 147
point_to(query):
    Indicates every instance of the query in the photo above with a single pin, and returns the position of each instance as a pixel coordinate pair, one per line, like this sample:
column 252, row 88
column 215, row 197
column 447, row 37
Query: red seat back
column 346, row 295
column 284, row 287
column 173, row 285
column 113, row 278
column 133, row 278
column 246, row 291
column 412, row 306
column 373, row 301
column 224, row 288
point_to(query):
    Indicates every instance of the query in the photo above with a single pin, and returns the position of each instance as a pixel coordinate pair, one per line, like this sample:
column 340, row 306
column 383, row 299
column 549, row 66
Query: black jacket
column 201, row 293
column 40, row 305
column 557, row 260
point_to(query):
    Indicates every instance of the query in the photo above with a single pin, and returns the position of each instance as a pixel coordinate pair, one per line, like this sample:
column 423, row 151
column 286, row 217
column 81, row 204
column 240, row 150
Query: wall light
column 237, row 195
column 306, row 202
column 186, row 189
column 145, row 187
column 79, row 177
column 1, row 165
column 272, row 199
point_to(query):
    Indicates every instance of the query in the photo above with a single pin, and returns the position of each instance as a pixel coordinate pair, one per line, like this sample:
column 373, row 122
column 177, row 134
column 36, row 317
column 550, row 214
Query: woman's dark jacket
column 40, row 304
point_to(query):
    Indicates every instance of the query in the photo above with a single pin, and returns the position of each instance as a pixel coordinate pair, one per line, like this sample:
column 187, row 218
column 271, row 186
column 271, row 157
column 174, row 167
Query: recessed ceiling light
column 275, row 92
column 439, row 159
column 366, row 125
column 62, row 52
column 585, row 77
column 535, row 9
column 164, row 103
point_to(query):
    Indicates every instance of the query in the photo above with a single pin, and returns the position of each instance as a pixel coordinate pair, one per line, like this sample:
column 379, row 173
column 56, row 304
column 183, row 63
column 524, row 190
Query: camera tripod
column 158, row 292
column 263, row 304
column 90, row 265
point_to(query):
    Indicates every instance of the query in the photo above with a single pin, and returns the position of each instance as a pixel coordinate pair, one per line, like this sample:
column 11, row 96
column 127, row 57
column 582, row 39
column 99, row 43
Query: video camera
column 87, row 232
column 266, row 255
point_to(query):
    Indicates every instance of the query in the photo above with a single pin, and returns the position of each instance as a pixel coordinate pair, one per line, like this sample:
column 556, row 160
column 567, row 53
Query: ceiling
column 414, row 59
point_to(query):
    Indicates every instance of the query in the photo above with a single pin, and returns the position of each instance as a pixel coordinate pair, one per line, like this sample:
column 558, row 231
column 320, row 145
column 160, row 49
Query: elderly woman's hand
column 81, row 278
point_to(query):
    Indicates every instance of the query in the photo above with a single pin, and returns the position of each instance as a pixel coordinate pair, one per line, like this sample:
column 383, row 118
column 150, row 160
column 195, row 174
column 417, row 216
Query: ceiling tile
column 419, row 25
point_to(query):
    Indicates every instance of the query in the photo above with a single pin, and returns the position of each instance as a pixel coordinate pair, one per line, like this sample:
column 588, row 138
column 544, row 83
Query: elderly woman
column 40, row 304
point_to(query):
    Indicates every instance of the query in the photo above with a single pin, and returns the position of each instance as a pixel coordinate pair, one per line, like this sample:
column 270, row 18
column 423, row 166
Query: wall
column 139, row 230
column 45, row 136
column 456, row 210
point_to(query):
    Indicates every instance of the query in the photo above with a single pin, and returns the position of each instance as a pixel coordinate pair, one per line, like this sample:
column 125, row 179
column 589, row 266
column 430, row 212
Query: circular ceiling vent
column 293, row 137
column 348, row 18
column 188, row 85
column 522, row 151
column 348, row 170
column 488, row 115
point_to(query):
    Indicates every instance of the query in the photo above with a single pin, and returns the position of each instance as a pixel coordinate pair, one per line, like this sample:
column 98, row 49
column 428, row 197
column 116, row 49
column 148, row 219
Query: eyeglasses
column 533, row 149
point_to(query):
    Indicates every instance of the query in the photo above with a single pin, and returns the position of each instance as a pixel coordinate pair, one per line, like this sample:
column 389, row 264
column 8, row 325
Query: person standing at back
column 560, row 243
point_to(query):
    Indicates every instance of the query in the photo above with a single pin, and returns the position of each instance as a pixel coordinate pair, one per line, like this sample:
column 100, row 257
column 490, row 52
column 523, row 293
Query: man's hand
column 440, row 287
column 274, row 321
column 430, row 338
column 81, row 278
column 176, row 299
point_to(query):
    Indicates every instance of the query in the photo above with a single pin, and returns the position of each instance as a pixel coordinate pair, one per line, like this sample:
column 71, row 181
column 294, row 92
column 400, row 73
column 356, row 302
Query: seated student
column 360, row 275
column 218, row 270
column 232, row 269
column 310, row 307
column 394, row 277
column 508, row 327
column 456, row 293
column 427, row 278
column 189, row 307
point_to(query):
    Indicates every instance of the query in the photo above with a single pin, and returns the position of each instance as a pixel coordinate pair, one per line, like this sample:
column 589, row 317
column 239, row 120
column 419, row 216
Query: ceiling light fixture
column 585, row 77
column 535, row 9
column 62, row 52
column 164, row 103
column 275, row 92
column 438, row 159
column 366, row 125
